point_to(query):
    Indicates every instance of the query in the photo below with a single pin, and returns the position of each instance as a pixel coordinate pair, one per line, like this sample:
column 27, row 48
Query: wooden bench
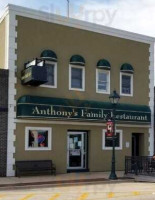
column 36, row 166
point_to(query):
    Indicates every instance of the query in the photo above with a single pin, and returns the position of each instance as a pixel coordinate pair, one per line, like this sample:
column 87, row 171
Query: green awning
column 49, row 55
column 127, row 68
column 72, row 109
column 77, row 60
column 103, row 64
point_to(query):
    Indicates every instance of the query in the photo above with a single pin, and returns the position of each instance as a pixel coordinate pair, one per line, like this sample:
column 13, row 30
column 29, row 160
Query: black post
column 113, row 175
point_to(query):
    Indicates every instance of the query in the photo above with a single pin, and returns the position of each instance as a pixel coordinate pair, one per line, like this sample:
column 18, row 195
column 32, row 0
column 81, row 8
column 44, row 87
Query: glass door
column 76, row 154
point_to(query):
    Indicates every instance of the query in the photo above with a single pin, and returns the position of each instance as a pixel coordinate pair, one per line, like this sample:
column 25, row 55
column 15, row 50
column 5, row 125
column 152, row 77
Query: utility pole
column 68, row 8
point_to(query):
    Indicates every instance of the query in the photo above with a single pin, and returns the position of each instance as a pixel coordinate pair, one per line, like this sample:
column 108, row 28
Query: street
column 100, row 191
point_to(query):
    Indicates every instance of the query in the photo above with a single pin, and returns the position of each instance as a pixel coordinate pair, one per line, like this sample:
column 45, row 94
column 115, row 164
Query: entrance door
column 135, row 144
column 77, row 150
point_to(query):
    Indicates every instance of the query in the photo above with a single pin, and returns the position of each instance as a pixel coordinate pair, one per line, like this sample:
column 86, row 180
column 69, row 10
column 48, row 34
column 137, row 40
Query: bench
column 34, row 166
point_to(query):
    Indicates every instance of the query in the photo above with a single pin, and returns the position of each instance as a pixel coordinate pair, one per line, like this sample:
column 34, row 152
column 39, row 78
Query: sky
column 132, row 15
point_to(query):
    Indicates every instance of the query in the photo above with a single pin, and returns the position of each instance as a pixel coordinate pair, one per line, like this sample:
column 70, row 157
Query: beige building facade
column 59, row 102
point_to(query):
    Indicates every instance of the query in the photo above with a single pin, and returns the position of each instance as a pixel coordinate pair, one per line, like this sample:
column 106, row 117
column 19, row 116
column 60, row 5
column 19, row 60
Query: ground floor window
column 107, row 142
column 38, row 138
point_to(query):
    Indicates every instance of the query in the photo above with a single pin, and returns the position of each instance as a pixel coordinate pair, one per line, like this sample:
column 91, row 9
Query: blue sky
column 131, row 15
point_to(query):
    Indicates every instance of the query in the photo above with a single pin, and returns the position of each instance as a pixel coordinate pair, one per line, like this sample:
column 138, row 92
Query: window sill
column 102, row 92
column 76, row 89
column 126, row 95
column 38, row 149
column 110, row 148
column 48, row 86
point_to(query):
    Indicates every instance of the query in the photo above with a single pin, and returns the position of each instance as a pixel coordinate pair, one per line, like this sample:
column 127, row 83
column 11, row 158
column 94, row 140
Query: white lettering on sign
column 70, row 112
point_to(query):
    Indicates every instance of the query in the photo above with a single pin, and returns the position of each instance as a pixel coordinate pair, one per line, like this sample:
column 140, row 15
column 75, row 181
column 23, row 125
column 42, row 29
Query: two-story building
column 62, row 72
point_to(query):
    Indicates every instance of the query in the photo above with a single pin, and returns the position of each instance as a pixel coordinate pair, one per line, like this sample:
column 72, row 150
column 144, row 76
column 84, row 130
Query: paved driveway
column 100, row 191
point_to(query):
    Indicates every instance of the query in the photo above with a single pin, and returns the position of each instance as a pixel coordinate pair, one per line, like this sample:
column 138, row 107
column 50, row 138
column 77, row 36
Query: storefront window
column 107, row 143
column 103, row 81
column 126, row 84
column 37, row 138
column 76, row 76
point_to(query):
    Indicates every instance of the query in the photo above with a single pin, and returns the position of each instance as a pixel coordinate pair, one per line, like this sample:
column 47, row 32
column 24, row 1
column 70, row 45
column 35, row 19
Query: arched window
column 103, row 77
column 77, row 73
column 126, row 80
column 50, row 58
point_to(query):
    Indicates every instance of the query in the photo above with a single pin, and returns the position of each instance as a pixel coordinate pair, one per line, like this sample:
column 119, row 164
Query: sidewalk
column 60, row 179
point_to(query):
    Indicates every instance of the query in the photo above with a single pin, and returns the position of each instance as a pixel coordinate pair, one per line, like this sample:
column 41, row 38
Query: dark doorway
column 135, row 144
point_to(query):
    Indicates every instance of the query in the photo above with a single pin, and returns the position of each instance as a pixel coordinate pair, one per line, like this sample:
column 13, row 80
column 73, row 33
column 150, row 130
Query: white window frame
column 110, row 148
column 83, row 77
column 126, row 74
column 55, row 75
column 27, row 148
column 97, row 77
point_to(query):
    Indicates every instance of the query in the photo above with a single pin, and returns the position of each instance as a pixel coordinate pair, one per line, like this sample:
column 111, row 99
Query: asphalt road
column 122, row 191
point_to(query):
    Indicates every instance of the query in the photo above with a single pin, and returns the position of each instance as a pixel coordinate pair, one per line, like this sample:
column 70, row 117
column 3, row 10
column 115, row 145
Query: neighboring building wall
column 3, row 120
column 2, row 44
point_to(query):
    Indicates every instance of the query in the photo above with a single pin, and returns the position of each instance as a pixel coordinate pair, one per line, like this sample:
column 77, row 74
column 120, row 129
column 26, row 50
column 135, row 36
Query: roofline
column 53, row 18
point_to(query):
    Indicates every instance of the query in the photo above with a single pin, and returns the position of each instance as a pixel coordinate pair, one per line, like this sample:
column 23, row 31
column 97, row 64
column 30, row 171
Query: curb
column 63, row 183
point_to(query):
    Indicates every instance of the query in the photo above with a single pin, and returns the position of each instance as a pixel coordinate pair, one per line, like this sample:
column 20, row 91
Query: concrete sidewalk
column 60, row 179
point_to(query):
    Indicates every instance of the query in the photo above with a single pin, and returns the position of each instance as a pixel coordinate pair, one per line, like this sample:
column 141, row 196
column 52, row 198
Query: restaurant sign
column 63, row 109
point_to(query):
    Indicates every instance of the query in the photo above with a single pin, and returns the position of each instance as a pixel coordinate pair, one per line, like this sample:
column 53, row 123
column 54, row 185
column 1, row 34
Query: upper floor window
column 51, row 74
column 77, row 73
column 50, row 59
column 103, row 81
column 77, row 76
column 103, row 77
column 126, row 84
column 126, row 80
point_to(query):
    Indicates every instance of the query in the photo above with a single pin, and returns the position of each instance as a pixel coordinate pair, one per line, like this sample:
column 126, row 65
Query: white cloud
column 136, row 16
column 131, row 15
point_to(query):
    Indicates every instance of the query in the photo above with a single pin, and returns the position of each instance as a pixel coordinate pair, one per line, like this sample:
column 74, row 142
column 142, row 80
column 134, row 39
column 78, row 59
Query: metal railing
column 142, row 165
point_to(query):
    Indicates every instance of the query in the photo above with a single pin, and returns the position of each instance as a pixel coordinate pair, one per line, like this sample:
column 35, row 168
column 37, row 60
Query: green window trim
column 77, row 60
column 49, row 55
column 127, row 68
column 103, row 64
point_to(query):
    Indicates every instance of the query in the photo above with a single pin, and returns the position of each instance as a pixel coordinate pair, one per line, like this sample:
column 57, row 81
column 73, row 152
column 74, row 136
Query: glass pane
column 85, row 151
column 76, row 78
column 38, row 138
column 126, row 84
column 50, row 74
column 75, row 146
column 102, row 81
column 109, row 142
column 102, row 76
column 102, row 86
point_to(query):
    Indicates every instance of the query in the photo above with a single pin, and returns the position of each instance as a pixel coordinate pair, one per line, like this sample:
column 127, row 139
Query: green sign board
column 63, row 109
